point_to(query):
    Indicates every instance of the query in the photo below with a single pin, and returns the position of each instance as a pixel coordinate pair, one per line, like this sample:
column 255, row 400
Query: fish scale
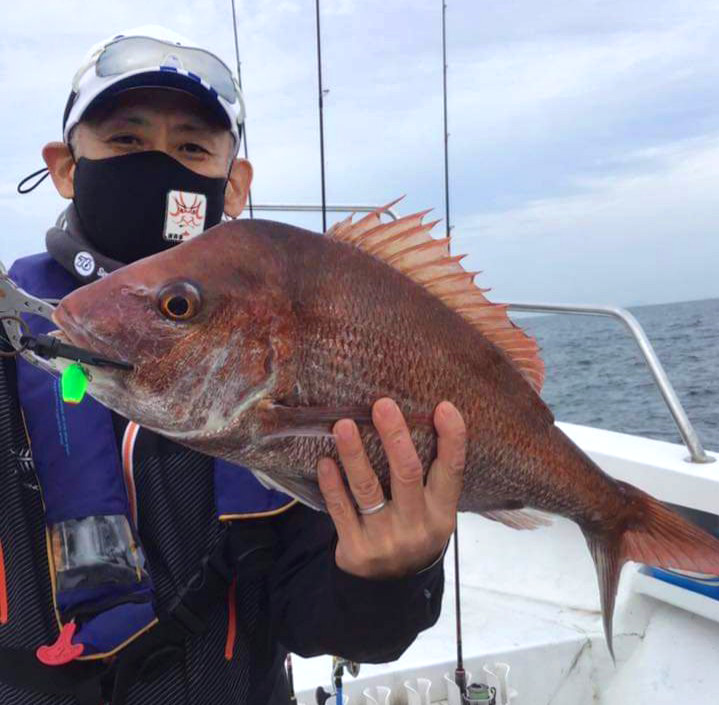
column 290, row 331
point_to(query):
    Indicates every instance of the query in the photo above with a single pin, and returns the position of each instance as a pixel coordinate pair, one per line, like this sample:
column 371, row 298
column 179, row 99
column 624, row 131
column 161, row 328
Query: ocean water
column 597, row 376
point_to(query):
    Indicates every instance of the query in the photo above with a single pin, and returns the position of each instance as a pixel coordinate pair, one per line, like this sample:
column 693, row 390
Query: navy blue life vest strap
column 79, row 477
column 79, row 469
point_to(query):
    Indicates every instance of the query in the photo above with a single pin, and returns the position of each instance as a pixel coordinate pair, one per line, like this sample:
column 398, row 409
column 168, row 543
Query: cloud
column 580, row 131
column 651, row 229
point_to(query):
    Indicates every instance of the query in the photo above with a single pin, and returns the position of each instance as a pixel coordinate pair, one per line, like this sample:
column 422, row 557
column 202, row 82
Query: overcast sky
column 584, row 148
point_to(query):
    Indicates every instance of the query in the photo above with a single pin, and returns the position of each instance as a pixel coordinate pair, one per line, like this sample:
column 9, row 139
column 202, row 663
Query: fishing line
column 243, row 128
column 444, row 105
column 460, row 675
column 321, row 111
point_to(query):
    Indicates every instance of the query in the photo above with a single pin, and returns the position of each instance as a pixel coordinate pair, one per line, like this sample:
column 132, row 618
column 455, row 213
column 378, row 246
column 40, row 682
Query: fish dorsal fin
column 406, row 245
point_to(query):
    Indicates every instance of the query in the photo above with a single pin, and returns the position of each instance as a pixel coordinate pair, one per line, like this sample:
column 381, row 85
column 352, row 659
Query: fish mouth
column 74, row 333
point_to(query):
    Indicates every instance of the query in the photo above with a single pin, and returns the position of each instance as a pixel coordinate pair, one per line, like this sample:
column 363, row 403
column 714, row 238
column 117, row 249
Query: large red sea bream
column 250, row 340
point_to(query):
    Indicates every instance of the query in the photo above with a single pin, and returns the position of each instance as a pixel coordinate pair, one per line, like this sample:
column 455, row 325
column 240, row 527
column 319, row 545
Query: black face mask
column 139, row 204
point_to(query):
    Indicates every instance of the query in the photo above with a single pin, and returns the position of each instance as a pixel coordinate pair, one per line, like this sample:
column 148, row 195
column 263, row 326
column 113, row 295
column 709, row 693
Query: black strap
column 23, row 189
column 188, row 614
column 246, row 547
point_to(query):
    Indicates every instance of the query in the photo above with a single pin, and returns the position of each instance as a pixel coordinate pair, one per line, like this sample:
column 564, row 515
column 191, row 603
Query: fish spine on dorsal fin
column 368, row 222
column 406, row 245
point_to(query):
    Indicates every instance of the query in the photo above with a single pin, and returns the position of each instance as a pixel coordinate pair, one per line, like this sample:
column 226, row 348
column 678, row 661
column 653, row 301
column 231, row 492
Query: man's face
column 159, row 120
column 156, row 119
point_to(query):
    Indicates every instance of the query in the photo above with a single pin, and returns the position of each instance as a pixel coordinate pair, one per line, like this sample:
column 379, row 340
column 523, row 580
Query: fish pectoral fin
column 521, row 519
column 301, row 488
column 282, row 421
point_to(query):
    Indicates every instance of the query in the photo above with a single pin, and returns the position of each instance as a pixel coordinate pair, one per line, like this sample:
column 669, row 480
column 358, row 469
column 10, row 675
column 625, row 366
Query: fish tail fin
column 649, row 533
column 608, row 561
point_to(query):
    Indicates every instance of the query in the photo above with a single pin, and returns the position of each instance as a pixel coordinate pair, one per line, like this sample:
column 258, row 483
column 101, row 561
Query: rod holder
column 377, row 695
column 454, row 697
column 498, row 676
column 418, row 691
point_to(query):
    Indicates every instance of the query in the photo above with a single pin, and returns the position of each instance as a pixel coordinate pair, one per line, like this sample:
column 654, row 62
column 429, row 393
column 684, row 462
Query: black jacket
column 289, row 594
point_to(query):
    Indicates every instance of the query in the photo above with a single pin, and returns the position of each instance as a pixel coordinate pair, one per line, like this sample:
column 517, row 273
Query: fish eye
column 179, row 301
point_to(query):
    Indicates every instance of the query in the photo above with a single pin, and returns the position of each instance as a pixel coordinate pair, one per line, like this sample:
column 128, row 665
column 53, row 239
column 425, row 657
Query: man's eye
column 125, row 139
column 193, row 148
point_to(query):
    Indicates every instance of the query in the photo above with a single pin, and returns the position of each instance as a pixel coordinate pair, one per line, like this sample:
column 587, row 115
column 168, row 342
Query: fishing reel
column 479, row 694
column 473, row 693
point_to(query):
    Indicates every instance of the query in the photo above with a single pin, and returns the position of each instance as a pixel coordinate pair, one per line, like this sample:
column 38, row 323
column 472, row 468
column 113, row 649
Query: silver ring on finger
column 373, row 510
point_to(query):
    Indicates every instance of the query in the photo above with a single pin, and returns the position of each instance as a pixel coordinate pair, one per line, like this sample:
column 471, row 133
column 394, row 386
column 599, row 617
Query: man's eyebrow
column 191, row 126
column 131, row 119
column 199, row 126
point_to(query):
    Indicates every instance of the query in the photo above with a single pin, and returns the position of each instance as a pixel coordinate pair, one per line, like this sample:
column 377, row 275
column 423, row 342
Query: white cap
column 88, row 86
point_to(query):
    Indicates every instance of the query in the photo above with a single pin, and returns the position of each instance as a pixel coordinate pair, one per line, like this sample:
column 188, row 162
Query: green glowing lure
column 73, row 384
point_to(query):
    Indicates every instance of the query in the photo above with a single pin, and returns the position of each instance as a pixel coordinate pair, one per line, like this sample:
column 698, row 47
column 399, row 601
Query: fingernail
column 447, row 410
column 384, row 407
column 343, row 430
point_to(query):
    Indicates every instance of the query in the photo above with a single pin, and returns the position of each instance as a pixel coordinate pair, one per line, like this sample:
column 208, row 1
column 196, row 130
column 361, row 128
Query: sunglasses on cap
column 127, row 55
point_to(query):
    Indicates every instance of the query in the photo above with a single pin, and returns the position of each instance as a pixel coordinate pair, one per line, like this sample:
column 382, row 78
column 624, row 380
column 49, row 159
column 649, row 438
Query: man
column 174, row 577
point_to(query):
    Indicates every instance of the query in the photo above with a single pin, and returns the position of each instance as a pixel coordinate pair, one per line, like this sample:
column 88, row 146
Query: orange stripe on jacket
column 128, row 448
column 3, row 589
column 231, row 620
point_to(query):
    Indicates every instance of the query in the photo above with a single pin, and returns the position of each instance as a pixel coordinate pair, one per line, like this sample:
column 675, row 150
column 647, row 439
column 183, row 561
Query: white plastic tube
column 498, row 676
column 418, row 691
column 454, row 697
column 377, row 695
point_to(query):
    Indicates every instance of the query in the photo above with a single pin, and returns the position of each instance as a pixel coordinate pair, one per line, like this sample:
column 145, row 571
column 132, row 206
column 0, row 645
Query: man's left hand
column 412, row 529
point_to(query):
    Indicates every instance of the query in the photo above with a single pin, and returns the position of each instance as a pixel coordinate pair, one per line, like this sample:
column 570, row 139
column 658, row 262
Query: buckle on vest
column 213, row 577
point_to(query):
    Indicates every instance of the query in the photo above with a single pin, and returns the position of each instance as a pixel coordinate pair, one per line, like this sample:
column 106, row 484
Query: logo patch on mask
column 84, row 263
column 185, row 215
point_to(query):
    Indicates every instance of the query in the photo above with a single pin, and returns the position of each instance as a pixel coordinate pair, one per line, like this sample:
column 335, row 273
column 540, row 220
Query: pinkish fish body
column 249, row 341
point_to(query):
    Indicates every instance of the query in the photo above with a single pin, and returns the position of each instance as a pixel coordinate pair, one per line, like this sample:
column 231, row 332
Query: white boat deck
column 529, row 599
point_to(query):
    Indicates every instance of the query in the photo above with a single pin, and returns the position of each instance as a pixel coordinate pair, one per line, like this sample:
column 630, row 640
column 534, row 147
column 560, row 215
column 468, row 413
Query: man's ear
column 61, row 165
column 238, row 187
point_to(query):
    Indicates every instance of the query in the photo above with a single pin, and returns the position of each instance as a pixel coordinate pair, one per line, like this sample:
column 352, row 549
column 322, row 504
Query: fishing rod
column 337, row 681
column 290, row 679
column 460, row 675
column 243, row 128
column 321, row 112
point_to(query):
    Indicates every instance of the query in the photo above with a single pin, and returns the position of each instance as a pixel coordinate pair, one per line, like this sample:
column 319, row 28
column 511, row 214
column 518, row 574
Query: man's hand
column 411, row 531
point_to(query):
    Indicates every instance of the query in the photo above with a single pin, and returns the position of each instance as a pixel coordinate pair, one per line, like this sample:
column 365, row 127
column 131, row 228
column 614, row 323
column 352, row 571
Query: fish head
column 204, row 326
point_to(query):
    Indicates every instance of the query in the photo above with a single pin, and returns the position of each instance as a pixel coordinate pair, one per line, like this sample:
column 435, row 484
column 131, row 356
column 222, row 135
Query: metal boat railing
column 684, row 425
column 687, row 431
column 318, row 209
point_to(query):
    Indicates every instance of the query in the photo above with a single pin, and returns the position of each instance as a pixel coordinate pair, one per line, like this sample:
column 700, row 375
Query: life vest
column 102, row 589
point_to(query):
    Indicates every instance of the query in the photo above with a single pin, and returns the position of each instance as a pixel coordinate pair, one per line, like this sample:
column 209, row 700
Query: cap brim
column 171, row 80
